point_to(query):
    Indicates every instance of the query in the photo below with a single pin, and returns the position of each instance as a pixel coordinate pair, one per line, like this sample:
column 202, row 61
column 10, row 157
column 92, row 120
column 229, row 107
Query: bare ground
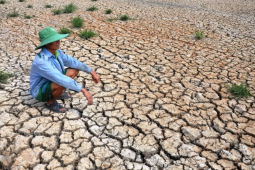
column 162, row 102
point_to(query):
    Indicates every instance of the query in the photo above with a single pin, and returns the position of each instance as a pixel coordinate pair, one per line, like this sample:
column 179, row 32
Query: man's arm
column 72, row 62
column 46, row 70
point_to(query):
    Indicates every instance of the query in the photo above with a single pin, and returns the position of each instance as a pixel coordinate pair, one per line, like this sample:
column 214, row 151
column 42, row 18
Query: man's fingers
column 90, row 99
column 95, row 77
column 90, row 102
column 97, row 81
column 88, row 96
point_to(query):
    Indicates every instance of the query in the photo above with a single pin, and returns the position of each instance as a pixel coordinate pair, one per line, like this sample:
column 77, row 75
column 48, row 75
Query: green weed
column 86, row 34
column 199, row 35
column 108, row 11
column 48, row 6
column 77, row 22
column 4, row 76
column 69, row 8
column 93, row 8
column 27, row 16
column 29, row 6
column 239, row 91
column 124, row 17
column 57, row 11
column 64, row 30
column 14, row 14
column 111, row 19
column 2, row 2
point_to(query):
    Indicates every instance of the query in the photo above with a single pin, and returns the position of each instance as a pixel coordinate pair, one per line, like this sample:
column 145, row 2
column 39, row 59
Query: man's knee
column 71, row 72
column 76, row 72
column 55, row 86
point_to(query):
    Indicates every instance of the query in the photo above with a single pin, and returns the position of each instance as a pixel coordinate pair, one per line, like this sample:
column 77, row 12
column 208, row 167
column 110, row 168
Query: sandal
column 64, row 95
column 55, row 107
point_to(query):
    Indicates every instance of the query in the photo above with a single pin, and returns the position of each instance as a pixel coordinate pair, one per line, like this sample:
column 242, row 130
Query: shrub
column 77, row 22
column 69, row 8
column 110, row 19
column 239, row 91
column 48, row 6
column 93, row 8
column 2, row 2
column 4, row 76
column 108, row 11
column 64, row 30
column 21, row 0
column 57, row 11
column 27, row 16
column 93, row 0
column 29, row 6
column 124, row 17
column 14, row 14
column 86, row 34
column 199, row 35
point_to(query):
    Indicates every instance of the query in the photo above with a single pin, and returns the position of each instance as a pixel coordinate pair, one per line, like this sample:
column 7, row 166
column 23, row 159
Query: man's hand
column 87, row 95
column 95, row 77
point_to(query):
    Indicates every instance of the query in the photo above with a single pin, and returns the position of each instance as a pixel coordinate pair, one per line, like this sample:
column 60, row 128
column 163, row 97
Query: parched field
column 163, row 101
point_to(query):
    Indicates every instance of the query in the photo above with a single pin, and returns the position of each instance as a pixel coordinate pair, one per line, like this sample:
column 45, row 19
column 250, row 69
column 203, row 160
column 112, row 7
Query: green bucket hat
column 49, row 35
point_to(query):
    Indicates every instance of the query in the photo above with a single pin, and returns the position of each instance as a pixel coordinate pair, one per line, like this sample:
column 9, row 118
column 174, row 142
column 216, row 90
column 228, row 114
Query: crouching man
column 48, row 76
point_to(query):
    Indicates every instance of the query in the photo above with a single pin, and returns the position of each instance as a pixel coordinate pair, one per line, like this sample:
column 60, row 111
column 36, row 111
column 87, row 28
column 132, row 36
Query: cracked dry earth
column 162, row 102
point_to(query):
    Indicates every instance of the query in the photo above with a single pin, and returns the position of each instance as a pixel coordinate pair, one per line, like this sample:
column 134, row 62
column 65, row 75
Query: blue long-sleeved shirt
column 49, row 67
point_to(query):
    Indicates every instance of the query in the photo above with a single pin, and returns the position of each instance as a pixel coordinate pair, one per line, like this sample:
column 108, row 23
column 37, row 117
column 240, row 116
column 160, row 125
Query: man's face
column 53, row 46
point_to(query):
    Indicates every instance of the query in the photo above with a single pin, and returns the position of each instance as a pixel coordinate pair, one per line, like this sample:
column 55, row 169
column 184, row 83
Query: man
column 48, row 76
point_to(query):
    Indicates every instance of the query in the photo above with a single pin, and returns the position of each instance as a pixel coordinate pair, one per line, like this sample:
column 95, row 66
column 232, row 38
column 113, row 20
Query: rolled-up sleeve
column 46, row 70
column 74, row 63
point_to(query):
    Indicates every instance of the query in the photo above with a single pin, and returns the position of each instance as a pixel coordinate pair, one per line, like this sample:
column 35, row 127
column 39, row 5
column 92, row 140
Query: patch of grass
column 77, row 22
column 86, row 34
column 124, row 17
column 21, row 0
column 57, row 11
column 4, row 76
column 64, row 30
column 239, row 91
column 111, row 19
column 27, row 16
column 48, row 6
column 108, row 11
column 69, row 8
column 14, row 14
column 199, row 35
column 2, row 2
column 29, row 6
column 93, row 8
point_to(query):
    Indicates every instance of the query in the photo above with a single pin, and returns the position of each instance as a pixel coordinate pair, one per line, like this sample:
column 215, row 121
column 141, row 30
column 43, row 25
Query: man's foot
column 56, row 107
column 64, row 95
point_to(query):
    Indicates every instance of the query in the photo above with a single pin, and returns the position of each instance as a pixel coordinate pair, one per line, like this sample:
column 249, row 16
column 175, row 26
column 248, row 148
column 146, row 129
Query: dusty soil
column 162, row 102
